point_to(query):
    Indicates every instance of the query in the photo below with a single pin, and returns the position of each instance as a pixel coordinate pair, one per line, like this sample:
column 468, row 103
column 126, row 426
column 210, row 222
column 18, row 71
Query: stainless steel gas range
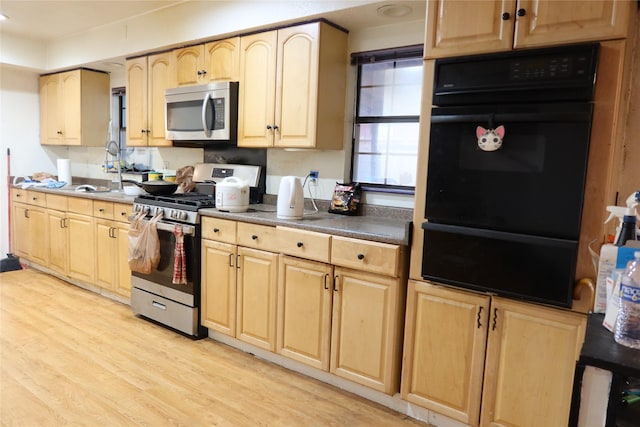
column 158, row 296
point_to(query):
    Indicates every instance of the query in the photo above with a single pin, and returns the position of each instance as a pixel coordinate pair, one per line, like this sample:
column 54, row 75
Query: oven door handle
column 187, row 230
column 500, row 235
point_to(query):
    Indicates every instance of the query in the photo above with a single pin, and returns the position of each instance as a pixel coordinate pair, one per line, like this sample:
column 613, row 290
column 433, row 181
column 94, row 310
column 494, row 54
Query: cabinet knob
column 216, row 229
column 361, row 256
column 18, row 195
column 506, row 16
column 101, row 210
column 123, row 213
column 299, row 244
column 275, row 127
column 269, row 127
column 521, row 12
column 254, row 237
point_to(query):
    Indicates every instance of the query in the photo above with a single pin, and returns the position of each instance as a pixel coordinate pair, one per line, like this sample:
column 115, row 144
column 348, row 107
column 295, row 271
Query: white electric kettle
column 290, row 198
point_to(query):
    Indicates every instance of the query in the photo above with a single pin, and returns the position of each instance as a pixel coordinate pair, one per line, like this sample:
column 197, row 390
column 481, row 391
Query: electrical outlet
column 313, row 177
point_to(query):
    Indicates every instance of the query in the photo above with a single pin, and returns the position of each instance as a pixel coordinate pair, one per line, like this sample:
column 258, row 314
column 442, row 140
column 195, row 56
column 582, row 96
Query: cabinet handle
column 495, row 319
column 335, row 283
column 230, row 260
column 59, row 132
column 269, row 127
column 34, row 198
column 360, row 257
column 275, row 127
column 299, row 244
column 216, row 229
column 254, row 237
column 506, row 16
column 238, row 261
column 18, row 195
column 521, row 12
column 123, row 213
column 101, row 210
column 480, row 316
column 26, row 213
column 326, row 285
column 61, row 222
column 202, row 72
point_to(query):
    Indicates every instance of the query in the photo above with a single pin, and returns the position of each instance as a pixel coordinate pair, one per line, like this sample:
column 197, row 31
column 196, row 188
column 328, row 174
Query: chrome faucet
column 113, row 148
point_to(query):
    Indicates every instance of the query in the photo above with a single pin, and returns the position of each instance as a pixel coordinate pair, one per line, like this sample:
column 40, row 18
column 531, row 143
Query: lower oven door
column 515, row 265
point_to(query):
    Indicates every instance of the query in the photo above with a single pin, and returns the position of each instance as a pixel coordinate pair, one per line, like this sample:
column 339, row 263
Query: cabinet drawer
column 80, row 205
column 36, row 198
column 102, row 209
column 304, row 244
column 18, row 195
column 257, row 236
column 122, row 212
column 56, row 202
column 365, row 255
column 221, row 230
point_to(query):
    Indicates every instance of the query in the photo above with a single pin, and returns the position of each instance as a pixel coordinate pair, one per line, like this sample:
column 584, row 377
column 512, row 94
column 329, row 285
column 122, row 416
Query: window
column 386, row 124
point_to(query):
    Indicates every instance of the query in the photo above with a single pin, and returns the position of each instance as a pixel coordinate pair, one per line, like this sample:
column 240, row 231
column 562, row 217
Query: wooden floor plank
column 69, row 356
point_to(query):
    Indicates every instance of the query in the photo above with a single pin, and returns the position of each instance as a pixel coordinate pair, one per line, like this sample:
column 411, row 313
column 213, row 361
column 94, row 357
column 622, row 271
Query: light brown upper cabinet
column 292, row 88
column 74, row 108
column 214, row 61
column 147, row 79
column 455, row 27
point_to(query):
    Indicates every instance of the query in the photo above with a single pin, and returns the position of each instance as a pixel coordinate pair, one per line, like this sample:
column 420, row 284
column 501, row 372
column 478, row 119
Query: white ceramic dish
column 132, row 190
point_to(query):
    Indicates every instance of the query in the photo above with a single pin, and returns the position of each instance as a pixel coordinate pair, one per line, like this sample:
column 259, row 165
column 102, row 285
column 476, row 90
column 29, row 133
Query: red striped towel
column 180, row 262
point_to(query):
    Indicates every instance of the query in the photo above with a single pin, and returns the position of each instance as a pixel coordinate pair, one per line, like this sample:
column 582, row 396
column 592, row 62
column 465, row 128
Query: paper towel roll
column 64, row 170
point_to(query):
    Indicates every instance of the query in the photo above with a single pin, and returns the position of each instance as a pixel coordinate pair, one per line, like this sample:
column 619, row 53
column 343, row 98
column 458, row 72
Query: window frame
column 385, row 55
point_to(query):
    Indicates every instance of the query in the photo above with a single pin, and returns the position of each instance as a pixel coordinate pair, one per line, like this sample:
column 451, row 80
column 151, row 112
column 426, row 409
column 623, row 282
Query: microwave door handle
column 205, row 104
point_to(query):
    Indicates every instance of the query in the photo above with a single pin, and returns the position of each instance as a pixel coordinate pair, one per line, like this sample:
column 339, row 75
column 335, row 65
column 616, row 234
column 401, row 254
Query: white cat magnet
column 490, row 139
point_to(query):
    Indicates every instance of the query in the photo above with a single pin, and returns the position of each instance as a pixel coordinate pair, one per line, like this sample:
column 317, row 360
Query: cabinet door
column 39, row 251
column 58, row 245
column 553, row 22
column 159, row 79
column 304, row 311
column 444, row 350
column 257, row 285
column 297, row 86
column 136, row 102
column 51, row 115
column 21, row 230
column 218, row 298
column 123, row 282
column 365, row 329
column 71, row 107
column 459, row 27
column 106, row 240
column 531, row 356
column 82, row 259
column 222, row 60
column 256, row 103
column 189, row 65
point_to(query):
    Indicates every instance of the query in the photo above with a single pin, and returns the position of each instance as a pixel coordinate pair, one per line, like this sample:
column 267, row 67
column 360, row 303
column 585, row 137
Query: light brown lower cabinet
column 489, row 361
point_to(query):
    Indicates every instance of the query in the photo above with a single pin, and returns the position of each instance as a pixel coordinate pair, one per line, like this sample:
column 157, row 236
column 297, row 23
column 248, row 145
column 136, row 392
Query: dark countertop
column 601, row 350
column 368, row 227
column 379, row 229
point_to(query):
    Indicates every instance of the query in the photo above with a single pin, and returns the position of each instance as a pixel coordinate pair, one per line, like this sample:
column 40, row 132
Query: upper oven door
column 532, row 184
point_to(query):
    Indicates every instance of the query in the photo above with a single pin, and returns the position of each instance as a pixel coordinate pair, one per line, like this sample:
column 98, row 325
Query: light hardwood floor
column 72, row 357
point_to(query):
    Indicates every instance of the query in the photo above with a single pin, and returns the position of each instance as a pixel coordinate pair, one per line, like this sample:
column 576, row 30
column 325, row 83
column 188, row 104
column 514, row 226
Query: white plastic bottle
column 627, row 330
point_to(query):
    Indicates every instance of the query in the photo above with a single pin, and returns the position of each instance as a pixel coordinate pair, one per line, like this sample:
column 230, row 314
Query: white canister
column 232, row 195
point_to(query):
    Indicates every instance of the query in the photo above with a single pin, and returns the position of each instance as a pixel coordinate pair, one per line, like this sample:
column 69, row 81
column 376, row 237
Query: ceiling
column 52, row 19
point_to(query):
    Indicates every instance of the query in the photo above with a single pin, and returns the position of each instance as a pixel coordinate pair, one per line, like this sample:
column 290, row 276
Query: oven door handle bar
column 501, row 235
column 187, row 230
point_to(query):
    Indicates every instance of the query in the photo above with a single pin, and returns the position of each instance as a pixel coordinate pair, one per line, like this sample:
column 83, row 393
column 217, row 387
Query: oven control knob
column 159, row 211
column 183, row 215
column 173, row 214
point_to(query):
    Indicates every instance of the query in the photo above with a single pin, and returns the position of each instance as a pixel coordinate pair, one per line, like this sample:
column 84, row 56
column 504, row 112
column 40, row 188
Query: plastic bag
column 144, row 244
column 346, row 198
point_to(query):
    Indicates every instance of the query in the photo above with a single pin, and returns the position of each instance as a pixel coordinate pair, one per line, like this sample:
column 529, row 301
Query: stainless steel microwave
column 202, row 112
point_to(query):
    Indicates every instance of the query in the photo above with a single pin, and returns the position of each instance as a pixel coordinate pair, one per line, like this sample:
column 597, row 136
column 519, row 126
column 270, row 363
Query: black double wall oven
column 508, row 150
